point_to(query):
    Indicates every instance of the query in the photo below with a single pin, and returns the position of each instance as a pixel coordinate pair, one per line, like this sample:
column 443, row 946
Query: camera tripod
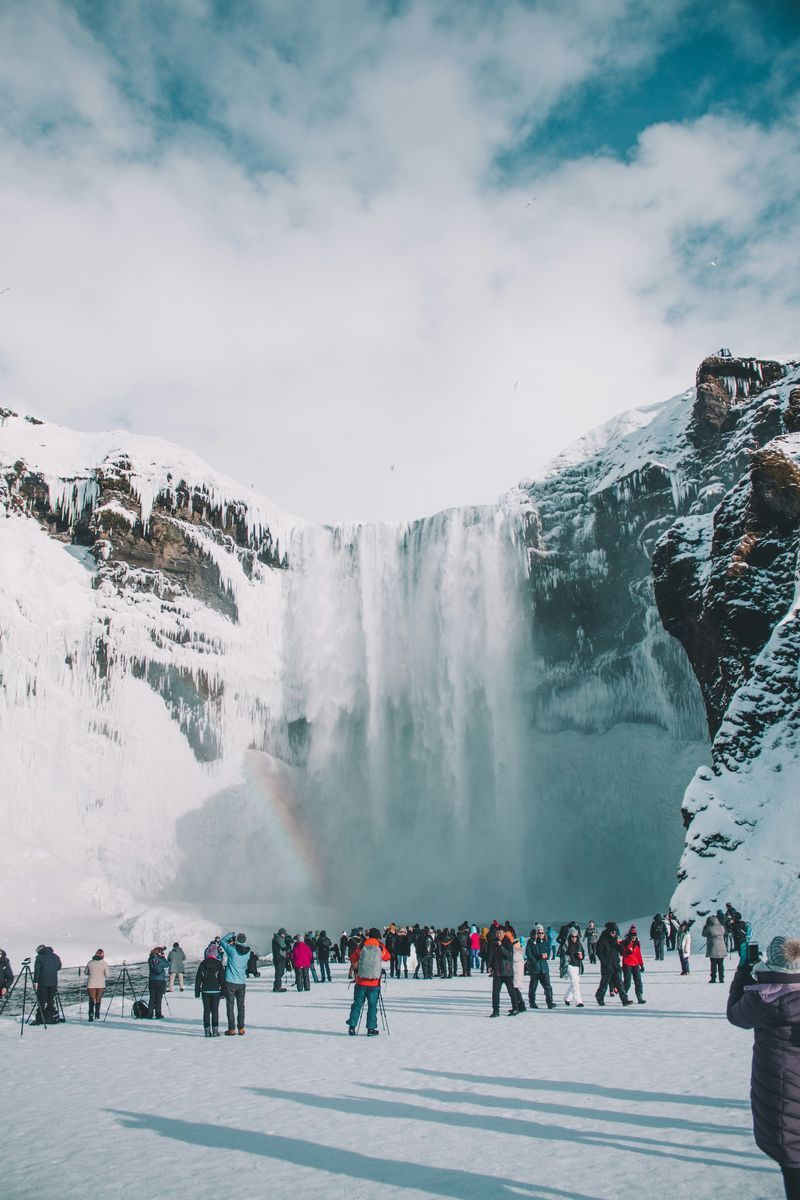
column 124, row 978
column 31, row 1002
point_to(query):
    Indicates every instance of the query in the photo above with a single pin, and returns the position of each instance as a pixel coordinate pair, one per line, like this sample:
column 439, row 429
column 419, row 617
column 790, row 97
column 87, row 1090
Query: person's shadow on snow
column 438, row 1181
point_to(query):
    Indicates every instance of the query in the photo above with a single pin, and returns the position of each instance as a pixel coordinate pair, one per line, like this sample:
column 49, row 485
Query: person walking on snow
column 367, row 963
column 323, row 956
column 591, row 935
column 714, row 933
column 237, row 955
column 177, row 961
column 572, row 954
column 765, row 997
column 552, row 938
column 208, row 983
column 609, row 950
column 519, row 972
column 633, row 964
column 537, row 955
column 474, row 948
column 501, row 965
column 658, row 936
column 684, row 946
column 97, row 974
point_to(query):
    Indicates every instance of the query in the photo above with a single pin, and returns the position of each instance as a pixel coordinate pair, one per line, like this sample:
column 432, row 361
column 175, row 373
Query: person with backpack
column 177, row 961
column 367, row 962
column 658, row 936
column 324, row 945
column 158, row 969
column 96, row 976
column 208, row 983
column 237, row 955
column 633, row 964
column 537, row 956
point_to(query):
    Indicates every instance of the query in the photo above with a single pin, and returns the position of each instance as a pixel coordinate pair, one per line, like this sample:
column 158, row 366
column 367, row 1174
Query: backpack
column 370, row 962
column 140, row 1010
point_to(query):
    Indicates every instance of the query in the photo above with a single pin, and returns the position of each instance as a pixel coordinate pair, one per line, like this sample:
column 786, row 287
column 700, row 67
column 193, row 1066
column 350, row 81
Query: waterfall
column 406, row 652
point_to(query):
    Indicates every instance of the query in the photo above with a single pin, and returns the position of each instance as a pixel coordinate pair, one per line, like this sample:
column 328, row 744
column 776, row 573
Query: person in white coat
column 97, row 974
column 573, row 959
column 684, row 946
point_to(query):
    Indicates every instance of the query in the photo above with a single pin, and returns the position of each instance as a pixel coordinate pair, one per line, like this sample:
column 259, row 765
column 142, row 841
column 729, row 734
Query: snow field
column 589, row 1104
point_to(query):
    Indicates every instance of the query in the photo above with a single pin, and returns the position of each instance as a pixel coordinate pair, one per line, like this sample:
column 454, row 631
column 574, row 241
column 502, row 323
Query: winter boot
column 600, row 1001
column 97, row 1011
column 241, row 1031
column 372, row 1033
column 230, row 1033
column 208, row 1032
column 215, row 1032
column 351, row 1031
column 91, row 1011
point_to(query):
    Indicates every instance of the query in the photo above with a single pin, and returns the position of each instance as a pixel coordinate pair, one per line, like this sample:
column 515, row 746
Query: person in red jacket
column 633, row 963
column 301, row 961
column 366, row 962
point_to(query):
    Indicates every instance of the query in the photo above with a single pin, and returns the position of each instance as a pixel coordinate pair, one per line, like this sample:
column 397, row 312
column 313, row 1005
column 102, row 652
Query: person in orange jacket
column 366, row 962
column 633, row 963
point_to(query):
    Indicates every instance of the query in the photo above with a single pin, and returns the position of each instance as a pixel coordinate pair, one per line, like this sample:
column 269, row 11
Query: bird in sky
column 391, row 468
column 713, row 262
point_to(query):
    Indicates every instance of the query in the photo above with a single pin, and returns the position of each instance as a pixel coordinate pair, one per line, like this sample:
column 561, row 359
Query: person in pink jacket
column 301, row 961
column 97, row 973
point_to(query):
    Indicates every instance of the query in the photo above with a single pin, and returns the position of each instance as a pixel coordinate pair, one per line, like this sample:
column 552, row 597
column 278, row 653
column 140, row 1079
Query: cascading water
column 406, row 652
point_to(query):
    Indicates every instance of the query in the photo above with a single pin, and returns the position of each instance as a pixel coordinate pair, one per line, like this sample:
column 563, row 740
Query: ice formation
column 209, row 707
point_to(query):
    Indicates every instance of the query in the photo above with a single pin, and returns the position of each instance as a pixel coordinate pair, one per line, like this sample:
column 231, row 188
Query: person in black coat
column 537, row 955
column 402, row 949
column 324, row 944
column 463, row 950
column 609, row 952
column 208, row 983
column 766, row 998
column 503, row 971
column 280, row 954
column 425, row 953
column 45, row 981
column 6, row 973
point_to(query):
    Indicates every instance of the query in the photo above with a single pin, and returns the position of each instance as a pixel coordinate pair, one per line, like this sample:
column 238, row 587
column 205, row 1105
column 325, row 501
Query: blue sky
column 317, row 242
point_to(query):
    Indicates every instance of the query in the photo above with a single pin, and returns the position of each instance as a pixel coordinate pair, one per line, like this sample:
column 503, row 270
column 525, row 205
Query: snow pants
column 301, row 979
column 634, row 973
column 360, row 994
column 211, row 1010
column 324, row 970
column 497, row 983
column 573, row 992
column 280, row 967
column 544, row 980
column 46, row 1005
column 234, row 995
column 658, row 946
column 717, row 969
column 610, row 979
column 157, row 987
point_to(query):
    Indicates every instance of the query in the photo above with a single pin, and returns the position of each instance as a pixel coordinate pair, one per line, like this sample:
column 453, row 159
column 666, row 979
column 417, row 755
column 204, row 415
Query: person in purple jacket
column 765, row 997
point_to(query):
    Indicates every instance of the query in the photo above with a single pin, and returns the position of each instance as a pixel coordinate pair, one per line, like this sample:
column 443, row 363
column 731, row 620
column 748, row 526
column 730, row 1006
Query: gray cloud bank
column 278, row 234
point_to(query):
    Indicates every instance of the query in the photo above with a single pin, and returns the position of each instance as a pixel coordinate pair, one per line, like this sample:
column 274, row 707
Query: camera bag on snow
column 140, row 1010
column 370, row 962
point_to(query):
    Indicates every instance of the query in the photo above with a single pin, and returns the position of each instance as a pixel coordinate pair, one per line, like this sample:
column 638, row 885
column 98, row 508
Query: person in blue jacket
column 158, row 967
column 237, row 952
column 552, row 939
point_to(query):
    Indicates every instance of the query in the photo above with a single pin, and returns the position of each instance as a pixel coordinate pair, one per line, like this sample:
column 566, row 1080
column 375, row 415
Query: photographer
column 237, row 954
column 280, row 953
column 6, row 974
column 158, row 969
column 177, row 961
column 765, row 997
column 45, row 981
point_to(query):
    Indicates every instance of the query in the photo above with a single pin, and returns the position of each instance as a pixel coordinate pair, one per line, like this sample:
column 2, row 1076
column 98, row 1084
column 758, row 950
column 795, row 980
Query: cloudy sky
column 379, row 257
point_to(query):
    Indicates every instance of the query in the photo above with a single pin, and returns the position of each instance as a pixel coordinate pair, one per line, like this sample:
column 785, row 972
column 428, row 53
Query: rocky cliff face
column 726, row 586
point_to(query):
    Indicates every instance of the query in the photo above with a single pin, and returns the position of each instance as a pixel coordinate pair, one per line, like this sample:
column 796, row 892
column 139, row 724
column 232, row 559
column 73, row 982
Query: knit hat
column 783, row 957
column 241, row 938
column 572, row 930
column 211, row 952
column 540, row 928
column 375, row 933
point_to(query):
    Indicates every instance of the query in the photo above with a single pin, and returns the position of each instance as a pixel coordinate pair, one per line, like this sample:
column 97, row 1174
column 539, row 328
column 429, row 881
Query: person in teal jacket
column 237, row 952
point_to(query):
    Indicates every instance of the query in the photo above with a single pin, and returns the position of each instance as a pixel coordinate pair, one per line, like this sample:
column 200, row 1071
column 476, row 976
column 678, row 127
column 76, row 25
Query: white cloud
column 374, row 301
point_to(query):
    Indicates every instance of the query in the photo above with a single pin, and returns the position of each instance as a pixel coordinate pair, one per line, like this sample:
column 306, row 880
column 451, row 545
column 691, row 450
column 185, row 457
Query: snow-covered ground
column 573, row 1104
